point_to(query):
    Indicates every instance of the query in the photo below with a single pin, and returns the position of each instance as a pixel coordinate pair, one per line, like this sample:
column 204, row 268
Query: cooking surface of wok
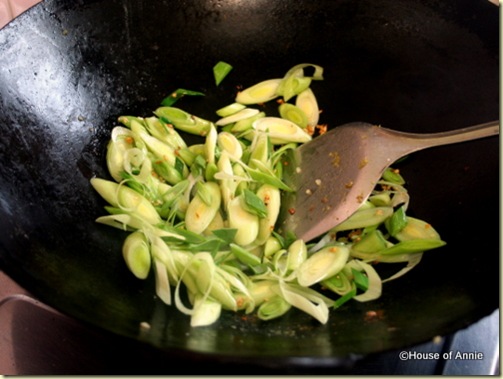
column 68, row 69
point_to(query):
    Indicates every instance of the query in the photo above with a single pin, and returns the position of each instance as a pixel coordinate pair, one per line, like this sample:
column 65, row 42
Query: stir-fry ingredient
column 202, row 217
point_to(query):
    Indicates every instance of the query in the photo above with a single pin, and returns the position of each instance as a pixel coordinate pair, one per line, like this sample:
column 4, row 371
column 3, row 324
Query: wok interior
column 69, row 69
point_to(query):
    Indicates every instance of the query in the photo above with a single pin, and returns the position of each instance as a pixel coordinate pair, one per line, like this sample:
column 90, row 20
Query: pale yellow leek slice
column 306, row 101
column 121, row 196
column 259, row 93
column 271, row 197
column 322, row 265
column 200, row 214
column 246, row 223
column 230, row 109
column 281, row 131
column 136, row 253
column 241, row 115
column 228, row 142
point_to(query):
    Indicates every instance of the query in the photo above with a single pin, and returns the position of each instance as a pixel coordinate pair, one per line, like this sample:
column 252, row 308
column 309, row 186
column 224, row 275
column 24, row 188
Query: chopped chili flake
column 291, row 211
column 239, row 302
column 322, row 128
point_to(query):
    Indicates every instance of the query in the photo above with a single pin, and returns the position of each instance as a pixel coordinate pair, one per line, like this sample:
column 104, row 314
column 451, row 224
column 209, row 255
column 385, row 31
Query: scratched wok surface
column 68, row 69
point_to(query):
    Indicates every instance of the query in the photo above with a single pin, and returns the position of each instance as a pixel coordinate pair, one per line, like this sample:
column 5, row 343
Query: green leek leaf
column 413, row 246
column 254, row 204
column 396, row 222
column 345, row 298
column 177, row 95
column 220, row 71
column 360, row 280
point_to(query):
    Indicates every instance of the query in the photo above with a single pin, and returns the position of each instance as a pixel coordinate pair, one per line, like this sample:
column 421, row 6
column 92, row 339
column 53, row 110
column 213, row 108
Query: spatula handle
column 419, row 141
column 466, row 134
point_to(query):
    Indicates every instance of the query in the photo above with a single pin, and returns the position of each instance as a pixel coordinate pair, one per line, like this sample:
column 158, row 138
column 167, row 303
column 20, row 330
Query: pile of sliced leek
column 201, row 218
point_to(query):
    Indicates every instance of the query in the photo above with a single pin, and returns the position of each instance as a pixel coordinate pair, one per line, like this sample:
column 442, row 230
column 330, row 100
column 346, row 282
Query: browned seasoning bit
column 336, row 158
column 349, row 184
column 363, row 163
column 355, row 234
column 374, row 315
column 324, row 199
column 359, row 198
column 291, row 211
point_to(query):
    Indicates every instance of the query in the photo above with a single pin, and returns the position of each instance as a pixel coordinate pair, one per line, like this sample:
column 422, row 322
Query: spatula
column 333, row 174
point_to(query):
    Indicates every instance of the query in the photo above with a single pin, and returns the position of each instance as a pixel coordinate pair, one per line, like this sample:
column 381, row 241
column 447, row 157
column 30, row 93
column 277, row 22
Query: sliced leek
column 281, row 131
column 259, row 93
column 306, row 101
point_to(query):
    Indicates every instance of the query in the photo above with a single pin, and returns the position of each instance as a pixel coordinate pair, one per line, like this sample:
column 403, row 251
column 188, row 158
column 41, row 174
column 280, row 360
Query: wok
column 68, row 69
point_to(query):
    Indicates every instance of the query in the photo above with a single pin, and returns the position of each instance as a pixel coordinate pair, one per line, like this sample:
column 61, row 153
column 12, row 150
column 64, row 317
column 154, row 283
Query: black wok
column 69, row 68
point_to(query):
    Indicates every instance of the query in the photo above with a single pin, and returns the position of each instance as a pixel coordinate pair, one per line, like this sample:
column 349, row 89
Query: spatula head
column 332, row 175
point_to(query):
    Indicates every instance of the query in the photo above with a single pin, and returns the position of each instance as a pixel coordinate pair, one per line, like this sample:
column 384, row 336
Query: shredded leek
column 202, row 217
